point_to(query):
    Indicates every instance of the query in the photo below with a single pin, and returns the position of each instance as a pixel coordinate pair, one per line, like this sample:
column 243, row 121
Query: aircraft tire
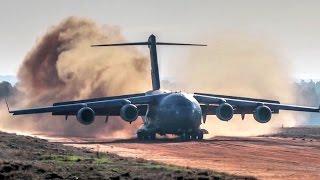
column 200, row 136
column 140, row 136
column 146, row 136
column 194, row 136
column 151, row 136
column 185, row 136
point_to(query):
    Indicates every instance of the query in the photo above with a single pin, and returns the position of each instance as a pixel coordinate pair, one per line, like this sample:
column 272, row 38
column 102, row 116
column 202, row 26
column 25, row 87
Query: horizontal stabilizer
column 152, row 45
column 147, row 43
column 180, row 44
column 122, row 44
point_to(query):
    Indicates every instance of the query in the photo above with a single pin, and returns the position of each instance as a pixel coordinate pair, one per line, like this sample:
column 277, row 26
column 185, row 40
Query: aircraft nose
column 177, row 108
column 183, row 109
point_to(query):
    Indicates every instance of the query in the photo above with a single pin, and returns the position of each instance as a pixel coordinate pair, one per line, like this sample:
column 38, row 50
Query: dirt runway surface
column 262, row 157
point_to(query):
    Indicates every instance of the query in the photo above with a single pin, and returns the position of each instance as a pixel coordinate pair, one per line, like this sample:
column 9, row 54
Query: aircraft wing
column 244, row 105
column 108, row 106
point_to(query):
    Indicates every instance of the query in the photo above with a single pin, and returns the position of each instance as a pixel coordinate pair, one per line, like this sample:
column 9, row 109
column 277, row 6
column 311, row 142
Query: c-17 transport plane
column 163, row 112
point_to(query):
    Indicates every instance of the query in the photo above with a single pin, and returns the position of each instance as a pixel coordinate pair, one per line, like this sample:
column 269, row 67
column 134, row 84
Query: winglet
column 6, row 100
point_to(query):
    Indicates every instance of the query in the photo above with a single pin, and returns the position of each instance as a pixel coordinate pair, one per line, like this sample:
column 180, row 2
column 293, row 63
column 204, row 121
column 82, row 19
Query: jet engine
column 224, row 112
column 86, row 115
column 262, row 114
column 129, row 112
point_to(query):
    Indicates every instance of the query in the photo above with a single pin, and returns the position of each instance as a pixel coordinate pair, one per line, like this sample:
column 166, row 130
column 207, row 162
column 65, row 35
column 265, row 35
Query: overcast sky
column 294, row 25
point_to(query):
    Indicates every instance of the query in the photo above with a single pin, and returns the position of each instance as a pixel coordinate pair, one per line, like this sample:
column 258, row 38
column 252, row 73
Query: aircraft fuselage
column 176, row 113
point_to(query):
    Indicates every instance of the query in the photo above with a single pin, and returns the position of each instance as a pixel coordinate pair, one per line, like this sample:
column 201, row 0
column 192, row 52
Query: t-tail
column 152, row 44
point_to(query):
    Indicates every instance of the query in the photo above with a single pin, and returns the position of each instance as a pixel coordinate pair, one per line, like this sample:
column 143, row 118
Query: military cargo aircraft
column 164, row 112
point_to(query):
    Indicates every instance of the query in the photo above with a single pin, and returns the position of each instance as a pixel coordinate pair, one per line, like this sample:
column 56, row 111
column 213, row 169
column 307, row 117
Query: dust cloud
column 241, row 66
column 62, row 66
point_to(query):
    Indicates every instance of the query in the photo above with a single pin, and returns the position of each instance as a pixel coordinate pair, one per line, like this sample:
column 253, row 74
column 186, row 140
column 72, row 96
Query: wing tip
column 8, row 108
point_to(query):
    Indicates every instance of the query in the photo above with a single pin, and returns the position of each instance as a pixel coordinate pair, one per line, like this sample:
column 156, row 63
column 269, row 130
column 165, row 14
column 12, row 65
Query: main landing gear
column 146, row 136
column 142, row 135
column 191, row 136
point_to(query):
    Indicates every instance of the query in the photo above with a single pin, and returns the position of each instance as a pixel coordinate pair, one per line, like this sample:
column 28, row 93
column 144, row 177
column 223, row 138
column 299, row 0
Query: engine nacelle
column 224, row 112
column 86, row 115
column 262, row 114
column 129, row 112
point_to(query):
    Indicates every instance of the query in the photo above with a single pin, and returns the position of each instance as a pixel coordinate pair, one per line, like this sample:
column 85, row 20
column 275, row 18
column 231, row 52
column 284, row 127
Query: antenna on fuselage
column 152, row 44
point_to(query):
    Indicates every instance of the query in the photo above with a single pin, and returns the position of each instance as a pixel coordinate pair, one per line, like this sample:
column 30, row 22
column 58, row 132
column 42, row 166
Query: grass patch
column 62, row 158
column 154, row 166
column 102, row 160
column 75, row 159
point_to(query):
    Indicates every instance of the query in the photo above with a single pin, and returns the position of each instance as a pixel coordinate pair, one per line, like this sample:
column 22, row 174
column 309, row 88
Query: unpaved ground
column 24, row 157
column 277, row 157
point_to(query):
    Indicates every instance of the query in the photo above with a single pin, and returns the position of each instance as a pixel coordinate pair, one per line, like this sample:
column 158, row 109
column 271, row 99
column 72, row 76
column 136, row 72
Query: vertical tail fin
column 154, row 62
column 152, row 44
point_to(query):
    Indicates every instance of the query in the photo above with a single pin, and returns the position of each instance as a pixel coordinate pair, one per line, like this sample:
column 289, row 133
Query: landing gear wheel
column 140, row 136
column 151, row 136
column 185, row 136
column 194, row 136
column 200, row 135
column 146, row 136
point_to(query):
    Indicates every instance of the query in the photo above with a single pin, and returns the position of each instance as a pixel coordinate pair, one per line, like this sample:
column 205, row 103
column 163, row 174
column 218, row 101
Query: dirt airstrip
column 293, row 154
column 25, row 157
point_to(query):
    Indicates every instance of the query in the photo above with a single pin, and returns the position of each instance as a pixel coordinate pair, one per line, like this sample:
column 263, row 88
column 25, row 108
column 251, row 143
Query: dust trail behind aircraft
column 237, row 64
column 63, row 66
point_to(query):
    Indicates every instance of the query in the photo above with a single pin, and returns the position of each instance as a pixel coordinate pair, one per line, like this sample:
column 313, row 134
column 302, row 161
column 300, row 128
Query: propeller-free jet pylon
column 165, row 112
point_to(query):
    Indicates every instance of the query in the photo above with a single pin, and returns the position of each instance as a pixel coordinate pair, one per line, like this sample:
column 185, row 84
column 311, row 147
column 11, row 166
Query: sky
column 292, row 25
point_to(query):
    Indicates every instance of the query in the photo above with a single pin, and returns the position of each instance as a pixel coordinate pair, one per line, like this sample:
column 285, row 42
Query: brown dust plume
column 239, row 65
column 62, row 66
